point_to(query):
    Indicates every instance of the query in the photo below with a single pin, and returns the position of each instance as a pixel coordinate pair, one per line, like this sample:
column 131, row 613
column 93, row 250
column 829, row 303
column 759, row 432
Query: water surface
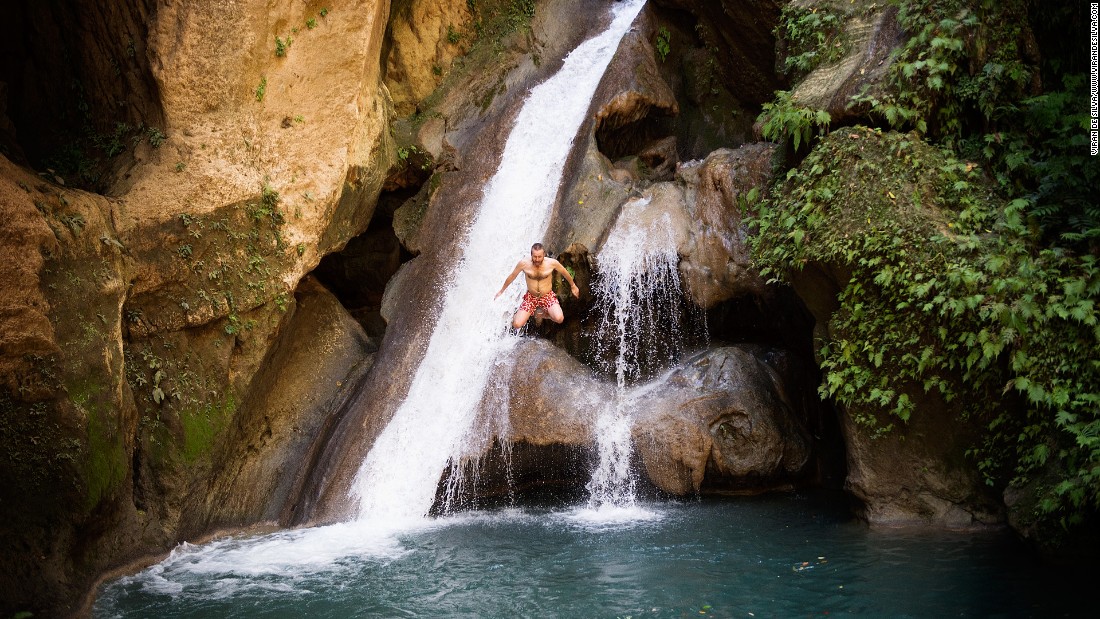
column 781, row 556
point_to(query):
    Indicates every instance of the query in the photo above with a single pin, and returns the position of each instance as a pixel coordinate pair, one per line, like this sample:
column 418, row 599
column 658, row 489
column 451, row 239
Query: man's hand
column 576, row 291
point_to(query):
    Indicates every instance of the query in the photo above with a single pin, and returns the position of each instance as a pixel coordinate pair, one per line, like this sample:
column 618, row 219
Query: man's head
column 537, row 254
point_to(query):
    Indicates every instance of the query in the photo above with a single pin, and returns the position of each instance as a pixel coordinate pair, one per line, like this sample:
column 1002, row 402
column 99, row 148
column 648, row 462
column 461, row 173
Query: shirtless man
column 540, row 296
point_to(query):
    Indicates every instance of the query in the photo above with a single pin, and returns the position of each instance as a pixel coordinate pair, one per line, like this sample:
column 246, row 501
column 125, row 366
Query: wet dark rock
column 722, row 419
column 918, row 473
column 320, row 356
column 741, row 34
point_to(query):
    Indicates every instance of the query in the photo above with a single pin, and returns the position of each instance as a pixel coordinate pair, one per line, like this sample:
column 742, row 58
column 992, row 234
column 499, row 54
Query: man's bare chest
column 538, row 274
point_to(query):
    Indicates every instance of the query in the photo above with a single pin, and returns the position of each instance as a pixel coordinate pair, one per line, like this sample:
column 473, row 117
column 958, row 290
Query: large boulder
column 716, row 264
column 919, row 474
column 722, row 419
column 321, row 353
column 702, row 212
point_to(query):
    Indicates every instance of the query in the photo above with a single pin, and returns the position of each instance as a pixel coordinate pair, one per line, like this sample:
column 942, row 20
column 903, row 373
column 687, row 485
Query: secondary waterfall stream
column 398, row 479
column 639, row 301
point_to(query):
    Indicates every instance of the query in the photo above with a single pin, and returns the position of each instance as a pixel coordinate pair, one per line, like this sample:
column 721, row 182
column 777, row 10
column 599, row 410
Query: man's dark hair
column 536, row 247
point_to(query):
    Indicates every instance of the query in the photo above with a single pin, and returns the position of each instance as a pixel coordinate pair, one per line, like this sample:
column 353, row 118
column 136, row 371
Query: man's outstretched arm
column 560, row 268
column 511, row 278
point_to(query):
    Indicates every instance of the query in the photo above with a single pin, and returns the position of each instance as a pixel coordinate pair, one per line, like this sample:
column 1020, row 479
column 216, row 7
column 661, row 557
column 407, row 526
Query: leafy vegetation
column 156, row 137
column 966, row 79
column 282, row 46
column 784, row 120
column 661, row 44
column 496, row 19
column 965, row 244
column 812, row 35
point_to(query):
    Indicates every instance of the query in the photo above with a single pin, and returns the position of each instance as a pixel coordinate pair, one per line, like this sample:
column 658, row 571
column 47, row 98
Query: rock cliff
column 171, row 171
column 224, row 226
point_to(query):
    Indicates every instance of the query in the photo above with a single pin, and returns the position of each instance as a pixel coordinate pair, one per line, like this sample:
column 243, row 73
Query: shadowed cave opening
column 77, row 95
column 357, row 275
column 779, row 320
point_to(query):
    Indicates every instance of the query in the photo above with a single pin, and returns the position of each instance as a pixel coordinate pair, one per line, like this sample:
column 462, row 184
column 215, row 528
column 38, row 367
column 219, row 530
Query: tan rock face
column 24, row 323
column 67, row 417
column 135, row 328
column 311, row 123
column 425, row 36
column 552, row 397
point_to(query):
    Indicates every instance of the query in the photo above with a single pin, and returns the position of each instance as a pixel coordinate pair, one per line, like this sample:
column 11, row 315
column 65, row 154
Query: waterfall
column 642, row 323
column 431, row 428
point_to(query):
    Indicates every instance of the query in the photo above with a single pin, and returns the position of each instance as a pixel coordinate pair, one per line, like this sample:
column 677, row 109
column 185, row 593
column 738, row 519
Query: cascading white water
column 638, row 293
column 397, row 480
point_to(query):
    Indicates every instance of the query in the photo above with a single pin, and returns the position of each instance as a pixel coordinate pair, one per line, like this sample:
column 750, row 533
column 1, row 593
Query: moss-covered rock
column 947, row 324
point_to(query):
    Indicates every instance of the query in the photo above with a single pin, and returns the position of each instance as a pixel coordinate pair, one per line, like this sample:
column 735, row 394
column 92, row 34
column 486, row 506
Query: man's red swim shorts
column 531, row 302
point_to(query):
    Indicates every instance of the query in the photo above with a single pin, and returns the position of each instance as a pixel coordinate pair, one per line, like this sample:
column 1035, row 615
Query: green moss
column 201, row 427
column 106, row 462
column 945, row 293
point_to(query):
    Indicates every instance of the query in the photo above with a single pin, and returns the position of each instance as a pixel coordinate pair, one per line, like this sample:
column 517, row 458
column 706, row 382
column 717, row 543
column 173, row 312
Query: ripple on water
column 609, row 517
column 771, row 556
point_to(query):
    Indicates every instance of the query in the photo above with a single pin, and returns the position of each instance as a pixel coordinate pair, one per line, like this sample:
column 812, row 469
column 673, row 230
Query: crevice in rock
column 357, row 275
column 526, row 475
column 617, row 137
column 77, row 94
column 138, row 481
column 779, row 318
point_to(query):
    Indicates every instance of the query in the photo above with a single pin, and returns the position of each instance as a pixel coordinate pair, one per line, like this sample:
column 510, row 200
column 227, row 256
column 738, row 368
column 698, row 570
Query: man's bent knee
column 520, row 319
column 556, row 314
